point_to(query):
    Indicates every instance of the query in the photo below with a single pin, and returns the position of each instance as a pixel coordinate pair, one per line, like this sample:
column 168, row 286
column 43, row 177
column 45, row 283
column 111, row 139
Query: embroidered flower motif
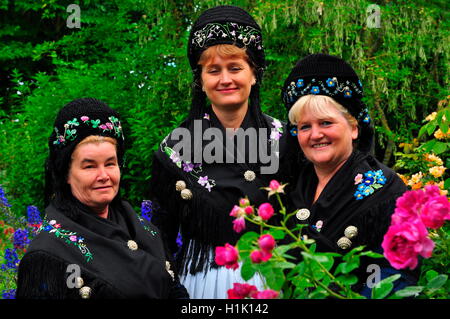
column 367, row 184
column 68, row 236
column 70, row 133
column 300, row 83
column 331, row 82
column 347, row 92
column 146, row 227
column 206, row 116
column 188, row 167
column 318, row 226
column 315, row 90
column 294, row 131
column 277, row 130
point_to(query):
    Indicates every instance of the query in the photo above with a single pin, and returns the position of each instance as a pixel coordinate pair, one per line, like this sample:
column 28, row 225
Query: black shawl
column 204, row 219
column 100, row 247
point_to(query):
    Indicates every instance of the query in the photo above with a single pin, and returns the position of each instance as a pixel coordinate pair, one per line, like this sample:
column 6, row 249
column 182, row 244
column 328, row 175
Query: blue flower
column 34, row 216
column 348, row 93
column 315, row 90
column 299, row 83
column 147, row 209
column 368, row 191
column 294, row 131
column 331, row 82
column 12, row 260
column 20, row 239
column 9, row 294
column 358, row 195
column 361, row 188
column 3, row 199
column 368, row 181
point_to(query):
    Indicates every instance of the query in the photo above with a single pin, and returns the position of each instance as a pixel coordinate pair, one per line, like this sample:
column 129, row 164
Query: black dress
column 203, row 215
column 119, row 257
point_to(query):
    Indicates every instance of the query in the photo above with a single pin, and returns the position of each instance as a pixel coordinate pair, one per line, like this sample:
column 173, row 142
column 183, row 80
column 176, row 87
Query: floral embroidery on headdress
column 193, row 169
column 70, row 237
column 243, row 34
column 330, row 87
column 70, row 131
column 368, row 183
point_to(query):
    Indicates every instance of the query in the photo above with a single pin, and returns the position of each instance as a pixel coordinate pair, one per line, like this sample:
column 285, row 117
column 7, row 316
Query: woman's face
column 94, row 174
column 227, row 81
column 327, row 141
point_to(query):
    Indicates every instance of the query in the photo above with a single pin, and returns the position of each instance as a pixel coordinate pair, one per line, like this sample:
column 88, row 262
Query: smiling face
column 94, row 175
column 227, row 77
column 326, row 138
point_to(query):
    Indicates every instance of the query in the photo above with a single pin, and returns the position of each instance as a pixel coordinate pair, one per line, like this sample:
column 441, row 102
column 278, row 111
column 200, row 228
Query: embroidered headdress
column 226, row 25
column 322, row 74
column 75, row 121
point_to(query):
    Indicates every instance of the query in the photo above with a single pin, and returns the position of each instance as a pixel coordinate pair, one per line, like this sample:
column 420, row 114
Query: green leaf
column 409, row 291
column 437, row 282
column 277, row 234
column 247, row 270
column 384, row 287
column 371, row 254
column 439, row 147
column 274, row 276
column 347, row 280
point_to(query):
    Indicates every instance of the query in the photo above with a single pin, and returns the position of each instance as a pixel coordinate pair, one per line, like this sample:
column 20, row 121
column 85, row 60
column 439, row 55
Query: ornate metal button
column 350, row 232
column 171, row 273
column 249, row 175
column 186, row 194
column 180, row 185
column 79, row 282
column 344, row 243
column 85, row 292
column 132, row 245
column 303, row 214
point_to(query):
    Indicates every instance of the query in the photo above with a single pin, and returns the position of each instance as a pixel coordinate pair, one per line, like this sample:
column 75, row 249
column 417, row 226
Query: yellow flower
column 417, row 186
column 433, row 158
column 416, row 178
column 437, row 171
column 440, row 135
column 431, row 117
column 403, row 178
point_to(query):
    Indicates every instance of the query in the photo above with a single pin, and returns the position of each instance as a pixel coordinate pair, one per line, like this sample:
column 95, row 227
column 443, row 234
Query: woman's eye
column 326, row 123
column 304, row 127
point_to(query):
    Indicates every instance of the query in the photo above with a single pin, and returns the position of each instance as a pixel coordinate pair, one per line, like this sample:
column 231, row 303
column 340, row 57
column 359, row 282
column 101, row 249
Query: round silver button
column 186, row 194
column 180, row 185
column 132, row 245
column 350, row 232
column 249, row 176
column 85, row 292
column 344, row 243
column 79, row 282
column 303, row 214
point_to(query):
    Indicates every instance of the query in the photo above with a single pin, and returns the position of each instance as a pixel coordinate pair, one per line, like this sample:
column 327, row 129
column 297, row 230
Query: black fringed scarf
column 100, row 248
column 339, row 205
column 204, row 219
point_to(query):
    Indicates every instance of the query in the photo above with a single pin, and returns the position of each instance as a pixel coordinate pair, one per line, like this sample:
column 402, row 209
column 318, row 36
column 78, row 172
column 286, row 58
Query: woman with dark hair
column 235, row 150
column 91, row 243
column 344, row 194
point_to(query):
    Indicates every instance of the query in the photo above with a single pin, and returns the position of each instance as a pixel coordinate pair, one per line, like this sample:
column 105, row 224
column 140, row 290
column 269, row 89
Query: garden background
column 132, row 55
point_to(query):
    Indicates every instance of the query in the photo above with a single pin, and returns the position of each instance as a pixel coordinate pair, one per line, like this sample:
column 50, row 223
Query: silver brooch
column 249, row 175
column 303, row 214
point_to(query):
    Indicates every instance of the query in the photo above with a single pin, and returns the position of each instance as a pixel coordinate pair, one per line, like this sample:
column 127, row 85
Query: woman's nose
column 102, row 174
column 316, row 132
column 225, row 77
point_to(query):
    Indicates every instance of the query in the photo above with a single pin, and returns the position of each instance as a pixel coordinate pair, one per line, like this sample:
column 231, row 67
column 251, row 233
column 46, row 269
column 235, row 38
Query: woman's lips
column 227, row 90
column 320, row 145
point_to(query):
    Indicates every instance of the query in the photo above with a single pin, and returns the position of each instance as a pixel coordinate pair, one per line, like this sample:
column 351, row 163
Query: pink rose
column 227, row 256
column 256, row 257
column 248, row 210
column 266, row 243
column 241, row 291
column 408, row 207
column 236, row 211
column 265, row 211
column 435, row 212
column 239, row 224
column 266, row 294
column 244, row 202
column 404, row 242
column 274, row 185
column 84, row 118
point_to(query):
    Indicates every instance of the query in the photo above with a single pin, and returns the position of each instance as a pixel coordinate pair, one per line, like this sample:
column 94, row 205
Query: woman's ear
column 355, row 132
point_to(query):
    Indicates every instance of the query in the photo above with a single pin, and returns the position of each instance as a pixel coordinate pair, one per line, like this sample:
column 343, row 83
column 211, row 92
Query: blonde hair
column 224, row 51
column 95, row 139
column 318, row 106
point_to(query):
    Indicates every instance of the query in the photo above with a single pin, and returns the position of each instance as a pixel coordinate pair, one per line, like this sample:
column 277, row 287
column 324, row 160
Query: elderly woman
column 343, row 193
column 91, row 243
column 194, row 195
